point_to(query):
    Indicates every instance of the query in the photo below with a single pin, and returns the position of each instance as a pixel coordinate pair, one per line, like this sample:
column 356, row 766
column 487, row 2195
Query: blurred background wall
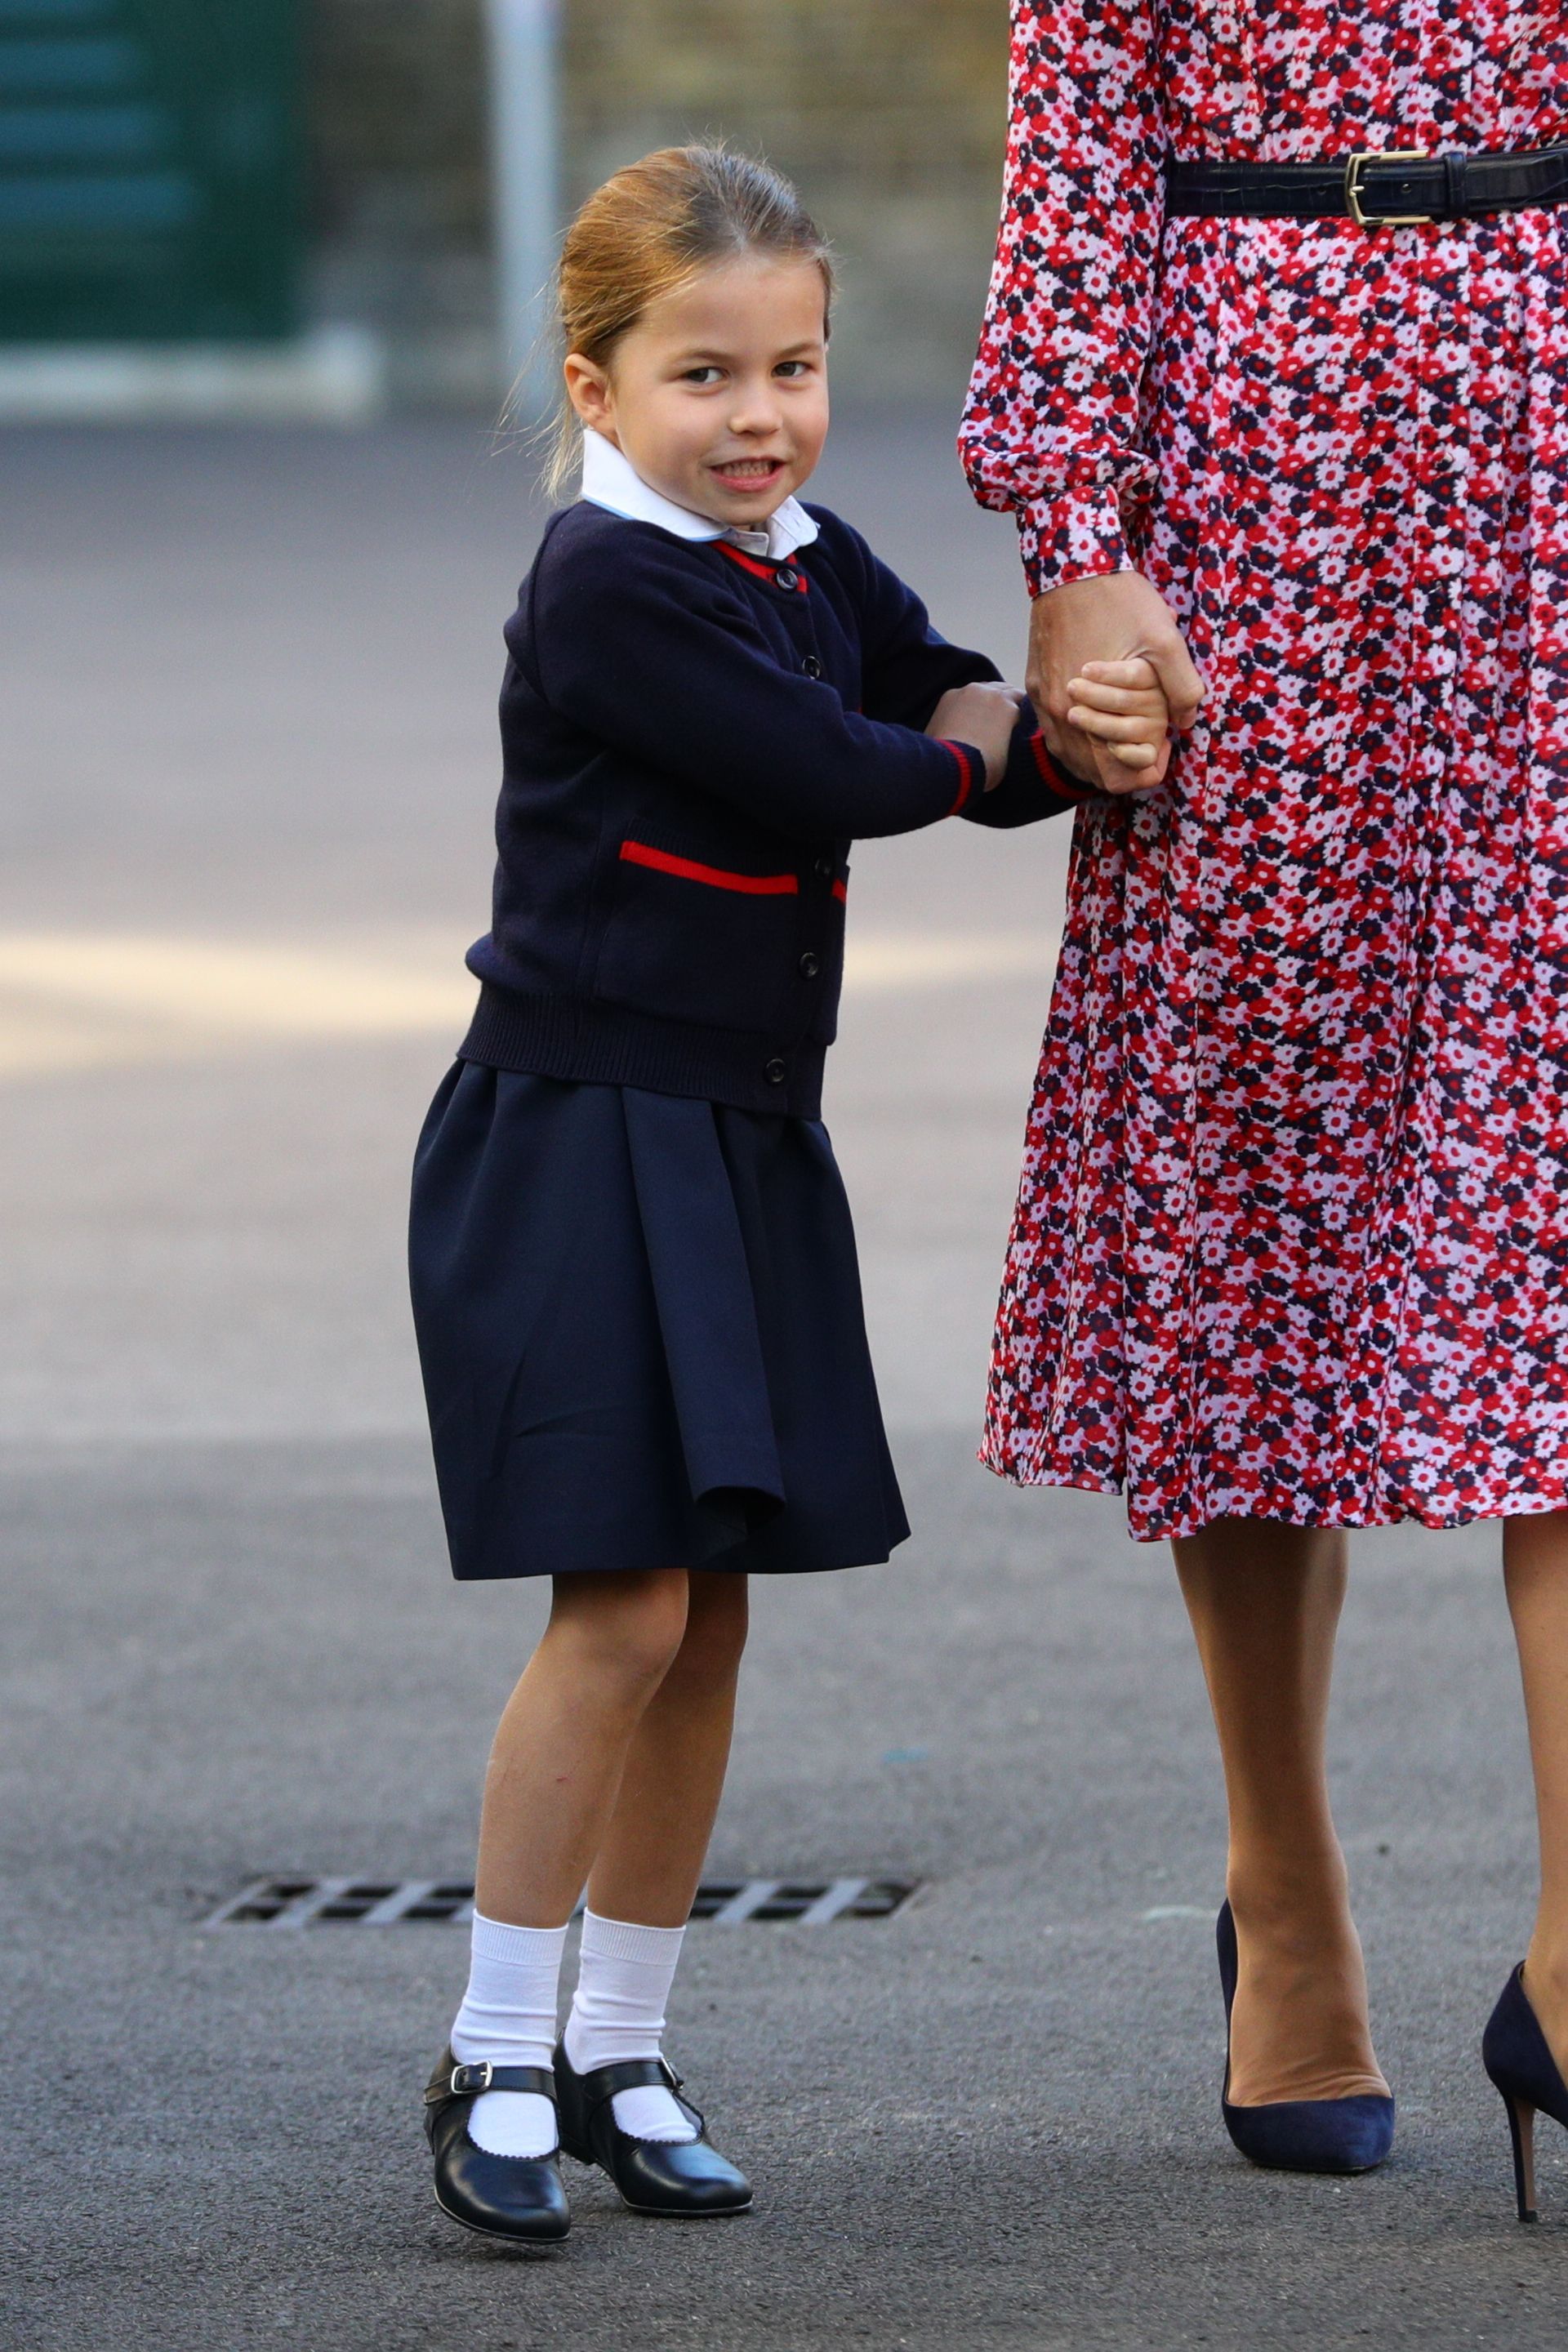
column 184, row 172
column 398, row 192
column 890, row 113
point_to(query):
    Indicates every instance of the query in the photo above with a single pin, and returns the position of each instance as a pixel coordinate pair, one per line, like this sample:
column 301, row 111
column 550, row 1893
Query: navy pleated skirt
column 640, row 1329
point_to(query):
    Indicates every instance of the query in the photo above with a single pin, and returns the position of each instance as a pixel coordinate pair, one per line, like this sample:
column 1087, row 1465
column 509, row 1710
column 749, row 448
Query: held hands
column 982, row 715
column 1081, row 636
column 1121, row 707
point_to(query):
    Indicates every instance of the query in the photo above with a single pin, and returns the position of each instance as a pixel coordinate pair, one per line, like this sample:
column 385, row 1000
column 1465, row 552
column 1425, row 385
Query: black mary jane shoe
column 519, row 2198
column 683, row 2180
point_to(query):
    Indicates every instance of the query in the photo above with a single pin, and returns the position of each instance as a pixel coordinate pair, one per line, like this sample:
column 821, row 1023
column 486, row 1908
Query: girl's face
column 717, row 396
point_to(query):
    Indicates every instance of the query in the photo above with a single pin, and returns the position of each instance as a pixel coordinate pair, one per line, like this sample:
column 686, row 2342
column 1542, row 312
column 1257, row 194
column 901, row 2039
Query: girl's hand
column 1121, row 706
column 985, row 716
column 1115, row 617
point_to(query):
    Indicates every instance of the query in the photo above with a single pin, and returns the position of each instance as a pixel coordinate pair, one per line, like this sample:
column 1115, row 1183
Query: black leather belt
column 1393, row 188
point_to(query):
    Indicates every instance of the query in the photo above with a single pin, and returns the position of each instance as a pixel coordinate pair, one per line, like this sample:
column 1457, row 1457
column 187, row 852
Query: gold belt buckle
column 1353, row 171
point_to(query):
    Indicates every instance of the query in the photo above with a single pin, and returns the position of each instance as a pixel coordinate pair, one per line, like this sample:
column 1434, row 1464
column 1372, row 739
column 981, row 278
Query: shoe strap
column 599, row 2088
column 471, row 2081
column 629, row 2074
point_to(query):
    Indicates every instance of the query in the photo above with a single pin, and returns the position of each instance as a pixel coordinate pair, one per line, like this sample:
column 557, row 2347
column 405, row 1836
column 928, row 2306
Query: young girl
column 633, row 1270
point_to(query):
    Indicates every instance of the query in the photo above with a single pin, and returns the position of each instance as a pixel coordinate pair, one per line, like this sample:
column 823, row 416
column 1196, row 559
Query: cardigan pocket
column 691, row 941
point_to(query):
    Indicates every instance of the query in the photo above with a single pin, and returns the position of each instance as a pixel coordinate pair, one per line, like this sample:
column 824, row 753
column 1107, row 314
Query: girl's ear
column 588, row 390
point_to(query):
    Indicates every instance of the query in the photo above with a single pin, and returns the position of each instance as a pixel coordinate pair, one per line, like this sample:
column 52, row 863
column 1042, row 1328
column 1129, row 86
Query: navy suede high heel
column 1517, row 2056
column 1351, row 2134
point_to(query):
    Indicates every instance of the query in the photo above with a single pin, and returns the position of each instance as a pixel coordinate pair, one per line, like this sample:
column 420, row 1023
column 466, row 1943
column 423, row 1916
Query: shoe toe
column 678, row 2176
column 1315, row 2134
column 516, row 2197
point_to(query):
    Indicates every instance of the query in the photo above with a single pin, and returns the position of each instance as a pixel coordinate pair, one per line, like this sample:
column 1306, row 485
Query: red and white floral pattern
column 1292, row 1234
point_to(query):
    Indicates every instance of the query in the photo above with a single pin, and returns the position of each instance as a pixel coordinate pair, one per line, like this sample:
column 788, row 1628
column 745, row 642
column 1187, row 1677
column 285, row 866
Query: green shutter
column 149, row 170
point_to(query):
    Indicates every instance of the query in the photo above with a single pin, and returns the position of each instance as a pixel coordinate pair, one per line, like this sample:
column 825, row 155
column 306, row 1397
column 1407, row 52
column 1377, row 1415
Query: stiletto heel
column 1521, row 2131
column 1518, row 2057
column 1353, row 2135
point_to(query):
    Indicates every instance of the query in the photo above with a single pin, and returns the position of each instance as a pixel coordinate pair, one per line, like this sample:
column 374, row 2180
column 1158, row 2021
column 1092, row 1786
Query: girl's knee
column 630, row 1627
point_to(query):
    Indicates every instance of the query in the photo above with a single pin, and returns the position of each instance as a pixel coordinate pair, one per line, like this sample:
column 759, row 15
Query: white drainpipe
column 523, row 46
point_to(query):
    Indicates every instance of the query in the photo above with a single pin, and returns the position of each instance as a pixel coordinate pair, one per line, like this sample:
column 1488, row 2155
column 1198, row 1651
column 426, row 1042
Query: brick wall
column 888, row 113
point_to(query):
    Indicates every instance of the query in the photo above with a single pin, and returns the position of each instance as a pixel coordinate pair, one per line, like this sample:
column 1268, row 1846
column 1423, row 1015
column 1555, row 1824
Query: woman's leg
column 651, row 1855
column 1535, row 1567
column 563, row 1742
column 1265, row 1600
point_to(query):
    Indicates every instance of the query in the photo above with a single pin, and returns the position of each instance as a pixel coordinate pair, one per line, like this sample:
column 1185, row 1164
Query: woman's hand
column 1116, row 616
column 1121, row 706
column 985, row 716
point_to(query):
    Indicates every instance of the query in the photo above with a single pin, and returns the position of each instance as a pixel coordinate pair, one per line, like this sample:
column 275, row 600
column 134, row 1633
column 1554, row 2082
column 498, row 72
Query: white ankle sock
column 509, row 2017
column 618, row 2012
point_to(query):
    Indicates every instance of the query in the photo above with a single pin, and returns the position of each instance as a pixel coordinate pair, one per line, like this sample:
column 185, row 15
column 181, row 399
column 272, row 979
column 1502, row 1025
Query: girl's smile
column 748, row 473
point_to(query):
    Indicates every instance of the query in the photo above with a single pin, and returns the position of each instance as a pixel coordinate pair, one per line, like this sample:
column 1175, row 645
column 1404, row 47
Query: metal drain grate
column 811, row 1903
column 389, row 1902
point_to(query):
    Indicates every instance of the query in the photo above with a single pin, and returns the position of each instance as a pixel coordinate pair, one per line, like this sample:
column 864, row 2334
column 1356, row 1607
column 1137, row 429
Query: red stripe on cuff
column 965, row 769
column 756, row 886
column 1071, row 788
column 841, row 894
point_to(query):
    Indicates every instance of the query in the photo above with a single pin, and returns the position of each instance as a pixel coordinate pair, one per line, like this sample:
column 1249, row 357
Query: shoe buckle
column 466, row 2079
column 1354, row 185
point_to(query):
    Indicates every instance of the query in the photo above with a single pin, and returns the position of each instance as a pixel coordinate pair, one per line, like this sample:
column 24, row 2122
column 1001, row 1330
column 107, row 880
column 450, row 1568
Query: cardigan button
column 776, row 1073
column 811, row 666
column 809, row 966
column 787, row 577
column 825, row 867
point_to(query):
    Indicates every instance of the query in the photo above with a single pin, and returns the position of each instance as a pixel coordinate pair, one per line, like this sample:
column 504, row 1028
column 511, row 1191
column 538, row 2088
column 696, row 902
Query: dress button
column 776, row 1073
column 811, row 666
column 809, row 966
column 787, row 577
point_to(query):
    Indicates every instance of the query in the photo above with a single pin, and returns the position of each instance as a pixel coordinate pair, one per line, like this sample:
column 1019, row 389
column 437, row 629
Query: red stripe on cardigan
column 756, row 886
column 965, row 769
column 760, row 571
column 841, row 894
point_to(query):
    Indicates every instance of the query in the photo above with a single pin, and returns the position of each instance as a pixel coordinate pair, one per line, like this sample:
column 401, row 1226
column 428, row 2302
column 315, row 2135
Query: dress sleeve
column 1050, row 429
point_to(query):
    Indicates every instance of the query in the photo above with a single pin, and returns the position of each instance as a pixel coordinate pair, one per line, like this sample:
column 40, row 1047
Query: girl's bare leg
column 1265, row 1601
column 1535, row 1570
column 562, row 1744
column 650, row 1857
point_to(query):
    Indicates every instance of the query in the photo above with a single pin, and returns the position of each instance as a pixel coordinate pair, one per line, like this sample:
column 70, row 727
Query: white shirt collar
column 610, row 480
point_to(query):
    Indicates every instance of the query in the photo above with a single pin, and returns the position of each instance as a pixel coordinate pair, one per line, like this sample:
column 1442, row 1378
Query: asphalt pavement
column 247, row 699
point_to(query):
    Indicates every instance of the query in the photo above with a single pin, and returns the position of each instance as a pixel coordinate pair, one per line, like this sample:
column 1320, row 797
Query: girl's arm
column 1050, row 429
column 670, row 670
column 908, row 668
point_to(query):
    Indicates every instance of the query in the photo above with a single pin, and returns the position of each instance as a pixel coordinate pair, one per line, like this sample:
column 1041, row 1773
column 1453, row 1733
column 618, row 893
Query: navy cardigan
column 692, row 739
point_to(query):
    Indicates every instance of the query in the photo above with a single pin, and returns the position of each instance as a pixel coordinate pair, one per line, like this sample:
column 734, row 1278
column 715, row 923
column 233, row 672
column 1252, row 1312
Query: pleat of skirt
column 641, row 1334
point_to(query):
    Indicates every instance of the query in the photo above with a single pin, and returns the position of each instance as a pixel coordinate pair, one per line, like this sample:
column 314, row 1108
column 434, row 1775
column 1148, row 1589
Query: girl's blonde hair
column 649, row 231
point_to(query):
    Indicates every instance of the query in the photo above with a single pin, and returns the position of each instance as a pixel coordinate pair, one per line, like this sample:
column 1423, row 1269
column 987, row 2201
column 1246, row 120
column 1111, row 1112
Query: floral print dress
column 1292, row 1234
